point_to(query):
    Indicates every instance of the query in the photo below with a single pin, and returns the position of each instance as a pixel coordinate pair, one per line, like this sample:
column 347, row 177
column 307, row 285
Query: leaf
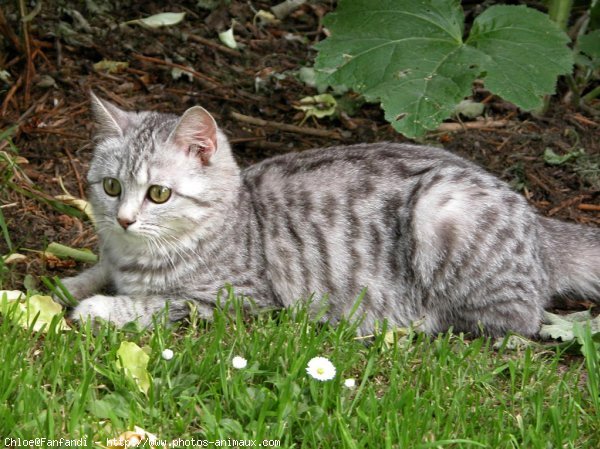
column 132, row 438
column 112, row 404
column 177, row 73
column 134, row 362
column 111, row 66
column 527, row 53
column 38, row 310
column 11, row 295
column 82, row 205
column 318, row 106
column 14, row 258
column 228, row 38
column 469, row 108
column 563, row 326
column 551, row 158
column 411, row 56
column 80, row 255
column 590, row 44
column 159, row 20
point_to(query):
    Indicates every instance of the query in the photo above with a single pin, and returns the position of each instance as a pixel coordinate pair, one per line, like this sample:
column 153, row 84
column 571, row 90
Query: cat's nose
column 125, row 222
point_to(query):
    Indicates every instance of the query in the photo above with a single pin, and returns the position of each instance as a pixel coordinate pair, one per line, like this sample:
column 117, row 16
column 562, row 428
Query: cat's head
column 159, row 177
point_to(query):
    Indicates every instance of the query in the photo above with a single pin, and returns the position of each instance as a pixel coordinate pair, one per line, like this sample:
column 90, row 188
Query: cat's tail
column 573, row 257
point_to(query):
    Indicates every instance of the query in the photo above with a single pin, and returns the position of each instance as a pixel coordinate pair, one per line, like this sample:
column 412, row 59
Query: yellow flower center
column 320, row 370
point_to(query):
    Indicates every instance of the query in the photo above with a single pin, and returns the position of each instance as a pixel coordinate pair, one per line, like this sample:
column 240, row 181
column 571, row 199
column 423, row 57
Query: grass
column 424, row 392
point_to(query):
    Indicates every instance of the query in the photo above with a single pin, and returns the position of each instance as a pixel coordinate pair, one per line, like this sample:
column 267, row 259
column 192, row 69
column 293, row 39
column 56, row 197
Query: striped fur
column 430, row 235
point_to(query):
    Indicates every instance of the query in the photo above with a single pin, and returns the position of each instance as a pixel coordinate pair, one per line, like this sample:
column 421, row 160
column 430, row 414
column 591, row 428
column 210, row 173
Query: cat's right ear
column 196, row 133
column 110, row 120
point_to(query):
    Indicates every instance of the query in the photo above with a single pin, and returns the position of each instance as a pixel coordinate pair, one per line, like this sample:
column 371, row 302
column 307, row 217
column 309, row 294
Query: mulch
column 252, row 91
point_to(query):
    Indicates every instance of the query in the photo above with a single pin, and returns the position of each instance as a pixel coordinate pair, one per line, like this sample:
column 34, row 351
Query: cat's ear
column 196, row 133
column 110, row 120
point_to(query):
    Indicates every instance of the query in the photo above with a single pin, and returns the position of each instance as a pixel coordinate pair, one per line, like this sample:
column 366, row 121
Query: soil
column 47, row 108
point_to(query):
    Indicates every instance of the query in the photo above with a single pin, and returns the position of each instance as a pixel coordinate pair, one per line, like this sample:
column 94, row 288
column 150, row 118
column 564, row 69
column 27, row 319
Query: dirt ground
column 53, row 70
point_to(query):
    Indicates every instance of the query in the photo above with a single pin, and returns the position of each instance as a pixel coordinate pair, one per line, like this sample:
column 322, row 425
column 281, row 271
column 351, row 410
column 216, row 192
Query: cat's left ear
column 196, row 133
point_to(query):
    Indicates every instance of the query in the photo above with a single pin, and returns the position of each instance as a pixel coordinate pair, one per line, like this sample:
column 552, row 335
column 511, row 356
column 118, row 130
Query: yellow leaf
column 14, row 258
column 79, row 204
column 133, row 438
column 134, row 362
column 111, row 66
column 40, row 306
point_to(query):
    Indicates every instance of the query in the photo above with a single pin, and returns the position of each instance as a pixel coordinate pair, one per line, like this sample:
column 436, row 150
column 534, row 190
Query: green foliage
column 412, row 57
column 418, row 392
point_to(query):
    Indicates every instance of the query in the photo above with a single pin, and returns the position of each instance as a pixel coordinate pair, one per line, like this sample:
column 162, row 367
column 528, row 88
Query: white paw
column 107, row 308
column 97, row 306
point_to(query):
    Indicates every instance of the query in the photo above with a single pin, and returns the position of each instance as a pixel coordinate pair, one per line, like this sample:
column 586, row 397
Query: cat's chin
column 128, row 239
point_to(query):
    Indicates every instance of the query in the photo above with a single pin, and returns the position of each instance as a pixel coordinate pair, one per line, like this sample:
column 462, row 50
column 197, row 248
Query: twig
column 285, row 127
column 7, row 31
column 29, row 66
column 284, row 9
column 211, row 44
column 59, row 132
column 589, row 207
column 76, row 172
column 565, row 204
column 9, row 95
column 473, row 125
column 205, row 79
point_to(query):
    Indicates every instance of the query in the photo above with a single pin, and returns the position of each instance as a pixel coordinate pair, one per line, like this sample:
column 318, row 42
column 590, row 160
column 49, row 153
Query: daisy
column 239, row 362
column 320, row 368
column 350, row 384
column 167, row 354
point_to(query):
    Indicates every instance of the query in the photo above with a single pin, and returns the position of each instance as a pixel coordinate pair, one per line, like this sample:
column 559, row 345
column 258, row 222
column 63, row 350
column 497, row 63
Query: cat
column 428, row 235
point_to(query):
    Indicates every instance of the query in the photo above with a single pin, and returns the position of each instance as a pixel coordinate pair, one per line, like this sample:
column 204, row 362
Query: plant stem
column 559, row 11
column 594, row 93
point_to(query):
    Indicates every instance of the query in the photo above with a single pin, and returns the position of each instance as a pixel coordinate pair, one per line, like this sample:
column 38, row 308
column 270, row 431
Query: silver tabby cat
column 430, row 235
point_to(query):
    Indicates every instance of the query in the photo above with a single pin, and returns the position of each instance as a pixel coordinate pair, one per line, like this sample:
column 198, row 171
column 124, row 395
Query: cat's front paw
column 98, row 306
column 119, row 310
column 106, row 308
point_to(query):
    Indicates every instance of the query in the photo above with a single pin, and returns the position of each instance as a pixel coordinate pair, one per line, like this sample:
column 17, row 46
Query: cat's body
column 430, row 235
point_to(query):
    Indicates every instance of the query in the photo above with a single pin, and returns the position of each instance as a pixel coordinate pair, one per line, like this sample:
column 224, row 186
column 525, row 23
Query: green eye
column 111, row 186
column 159, row 194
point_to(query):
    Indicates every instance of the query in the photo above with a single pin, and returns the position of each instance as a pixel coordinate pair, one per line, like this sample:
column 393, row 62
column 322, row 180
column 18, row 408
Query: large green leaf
column 410, row 55
column 527, row 53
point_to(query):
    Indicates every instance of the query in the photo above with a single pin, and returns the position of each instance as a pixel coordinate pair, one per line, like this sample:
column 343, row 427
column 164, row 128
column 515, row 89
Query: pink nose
column 125, row 223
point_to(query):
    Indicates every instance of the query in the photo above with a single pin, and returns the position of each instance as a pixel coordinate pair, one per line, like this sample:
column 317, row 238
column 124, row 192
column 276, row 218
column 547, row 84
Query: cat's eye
column 111, row 186
column 159, row 194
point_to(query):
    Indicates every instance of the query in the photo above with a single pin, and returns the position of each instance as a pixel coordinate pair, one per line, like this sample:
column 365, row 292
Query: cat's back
column 349, row 164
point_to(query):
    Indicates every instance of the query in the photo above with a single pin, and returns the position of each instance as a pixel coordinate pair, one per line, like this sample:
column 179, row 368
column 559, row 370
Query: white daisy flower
column 239, row 362
column 320, row 368
column 167, row 354
column 350, row 384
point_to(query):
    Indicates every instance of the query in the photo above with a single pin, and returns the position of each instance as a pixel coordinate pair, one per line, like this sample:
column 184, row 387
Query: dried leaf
column 228, row 38
column 111, row 66
column 469, row 108
column 263, row 18
column 132, row 438
column 15, row 258
column 159, row 20
column 79, row 204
